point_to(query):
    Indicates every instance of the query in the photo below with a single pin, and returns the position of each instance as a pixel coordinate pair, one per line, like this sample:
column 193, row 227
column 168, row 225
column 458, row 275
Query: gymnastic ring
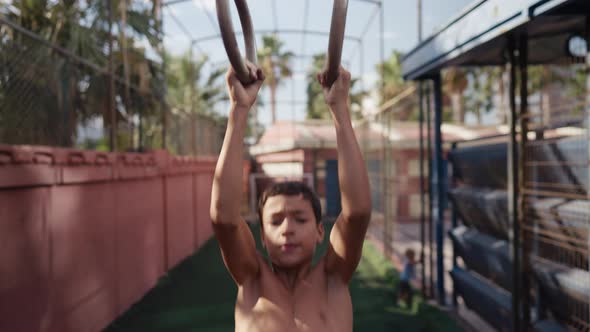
column 229, row 37
column 335, row 44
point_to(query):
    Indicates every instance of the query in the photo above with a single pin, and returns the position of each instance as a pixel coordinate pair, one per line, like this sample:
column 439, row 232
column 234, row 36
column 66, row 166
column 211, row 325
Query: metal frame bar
column 366, row 29
column 438, row 151
column 422, row 199
column 522, row 246
column 279, row 31
column 176, row 2
column 588, row 115
column 184, row 29
column 430, row 200
column 454, row 223
column 304, row 36
column 274, row 14
column 111, row 90
column 513, row 181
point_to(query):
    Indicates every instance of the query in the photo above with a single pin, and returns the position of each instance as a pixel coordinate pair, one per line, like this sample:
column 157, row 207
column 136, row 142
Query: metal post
column 438, row 151
column 454, row 225
column 384, row 196
column 193, row 115
column 513, row 185
column 587, row 109
column 430, row 200
column 422, row 200
column 419, row 21
column 386, row 163
column 522, row 245
column 160, row 33
column 362, row 64
column 111, row 89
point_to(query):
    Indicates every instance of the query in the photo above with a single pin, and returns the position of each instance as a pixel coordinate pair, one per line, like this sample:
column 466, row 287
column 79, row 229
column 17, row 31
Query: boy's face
column 289, row 231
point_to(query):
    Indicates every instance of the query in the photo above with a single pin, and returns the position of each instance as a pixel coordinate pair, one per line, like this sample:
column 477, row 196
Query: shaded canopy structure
column 544, row 193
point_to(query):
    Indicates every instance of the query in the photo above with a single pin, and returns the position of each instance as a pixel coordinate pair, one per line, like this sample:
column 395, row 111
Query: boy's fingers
column 253, row 74
column 260, row 74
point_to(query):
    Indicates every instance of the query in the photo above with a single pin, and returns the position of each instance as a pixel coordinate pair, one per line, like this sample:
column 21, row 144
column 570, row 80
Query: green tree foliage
column 479, row 100
column 60, row 92
column 454, row 84
column 391, row 78
column 192, row 94
column 189, row 88
column 391, row 85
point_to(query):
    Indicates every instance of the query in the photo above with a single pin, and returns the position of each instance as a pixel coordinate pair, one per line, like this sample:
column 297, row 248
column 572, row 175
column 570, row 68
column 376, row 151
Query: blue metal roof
column 477, row 35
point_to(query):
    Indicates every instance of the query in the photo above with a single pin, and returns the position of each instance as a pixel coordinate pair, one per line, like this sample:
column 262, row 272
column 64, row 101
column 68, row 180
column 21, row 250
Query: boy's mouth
column 289, row 247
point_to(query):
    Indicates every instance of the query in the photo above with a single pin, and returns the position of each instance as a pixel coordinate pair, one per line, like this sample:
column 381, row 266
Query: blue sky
column 199, row 18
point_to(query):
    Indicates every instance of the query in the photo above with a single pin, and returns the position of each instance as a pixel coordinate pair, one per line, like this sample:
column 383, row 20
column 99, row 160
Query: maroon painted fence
column 84, row 235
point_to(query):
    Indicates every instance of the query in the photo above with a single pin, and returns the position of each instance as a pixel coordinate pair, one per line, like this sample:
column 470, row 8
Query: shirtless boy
column 289, row 294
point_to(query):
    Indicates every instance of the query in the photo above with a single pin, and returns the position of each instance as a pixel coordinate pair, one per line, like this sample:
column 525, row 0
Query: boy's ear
column 321, row 232
column 262, row 236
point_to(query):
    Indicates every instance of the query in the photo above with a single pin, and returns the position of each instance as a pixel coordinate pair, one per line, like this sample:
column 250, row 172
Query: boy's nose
column 288, row 226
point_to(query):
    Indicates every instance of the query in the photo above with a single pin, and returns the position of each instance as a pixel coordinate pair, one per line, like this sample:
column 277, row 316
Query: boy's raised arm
column 348, row 234
column 233, row 234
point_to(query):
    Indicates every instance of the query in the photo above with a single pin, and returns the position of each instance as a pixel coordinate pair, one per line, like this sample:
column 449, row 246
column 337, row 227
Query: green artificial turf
column 199, row 295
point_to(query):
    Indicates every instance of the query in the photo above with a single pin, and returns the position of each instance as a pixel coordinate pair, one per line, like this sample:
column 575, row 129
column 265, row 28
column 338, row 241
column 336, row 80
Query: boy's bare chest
column 316, row 304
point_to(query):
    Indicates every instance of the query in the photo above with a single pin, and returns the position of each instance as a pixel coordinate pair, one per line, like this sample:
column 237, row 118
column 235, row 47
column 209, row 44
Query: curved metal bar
column 229, row 37
column 279, row 31
column 337, row 28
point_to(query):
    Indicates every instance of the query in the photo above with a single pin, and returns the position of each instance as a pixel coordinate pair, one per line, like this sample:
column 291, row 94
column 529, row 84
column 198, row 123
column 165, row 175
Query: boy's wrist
column 238, row 112
column 340, row 111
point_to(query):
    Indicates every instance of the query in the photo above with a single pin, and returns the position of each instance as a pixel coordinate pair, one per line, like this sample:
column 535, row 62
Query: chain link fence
column 390, row 141
column 555, row 186
column 56, row 89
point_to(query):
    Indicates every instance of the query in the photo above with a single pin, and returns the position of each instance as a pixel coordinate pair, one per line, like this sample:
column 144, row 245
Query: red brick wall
column 86, row 234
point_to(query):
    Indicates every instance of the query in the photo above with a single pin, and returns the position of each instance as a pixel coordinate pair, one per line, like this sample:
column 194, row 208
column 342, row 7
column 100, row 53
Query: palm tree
column 276, row 65
column 391, row 82
column 67, row 92
column 193, row 93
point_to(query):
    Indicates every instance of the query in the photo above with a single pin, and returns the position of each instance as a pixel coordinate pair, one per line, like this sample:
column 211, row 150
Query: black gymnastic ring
column 229, row 37
column 335, row 44
column 334, row 57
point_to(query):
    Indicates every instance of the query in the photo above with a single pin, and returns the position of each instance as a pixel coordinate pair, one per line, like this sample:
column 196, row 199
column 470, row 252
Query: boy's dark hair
column 291, row 188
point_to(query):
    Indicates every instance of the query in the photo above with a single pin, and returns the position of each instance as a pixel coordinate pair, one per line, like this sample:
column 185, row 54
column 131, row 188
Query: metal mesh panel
column 57, row 94
column 390, row 146
column 50, row 95
column 555, row 189
column 196, row 134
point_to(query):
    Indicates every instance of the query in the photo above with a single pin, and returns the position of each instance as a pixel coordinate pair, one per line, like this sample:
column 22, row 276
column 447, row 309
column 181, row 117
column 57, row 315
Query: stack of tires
column 484, row 278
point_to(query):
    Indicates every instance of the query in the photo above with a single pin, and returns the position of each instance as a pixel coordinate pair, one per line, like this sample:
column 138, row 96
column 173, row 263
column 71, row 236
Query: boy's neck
column 290, row 277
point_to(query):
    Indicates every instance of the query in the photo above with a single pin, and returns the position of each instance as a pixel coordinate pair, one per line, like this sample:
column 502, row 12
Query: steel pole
column 521, row 245
column 111, row 89
column 422, row 199
column 454, row 221
column 438, row 151
column 513, row 184
column 430, row 200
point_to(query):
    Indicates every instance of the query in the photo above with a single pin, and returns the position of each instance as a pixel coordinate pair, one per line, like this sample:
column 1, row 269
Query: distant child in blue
column 408, row 274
